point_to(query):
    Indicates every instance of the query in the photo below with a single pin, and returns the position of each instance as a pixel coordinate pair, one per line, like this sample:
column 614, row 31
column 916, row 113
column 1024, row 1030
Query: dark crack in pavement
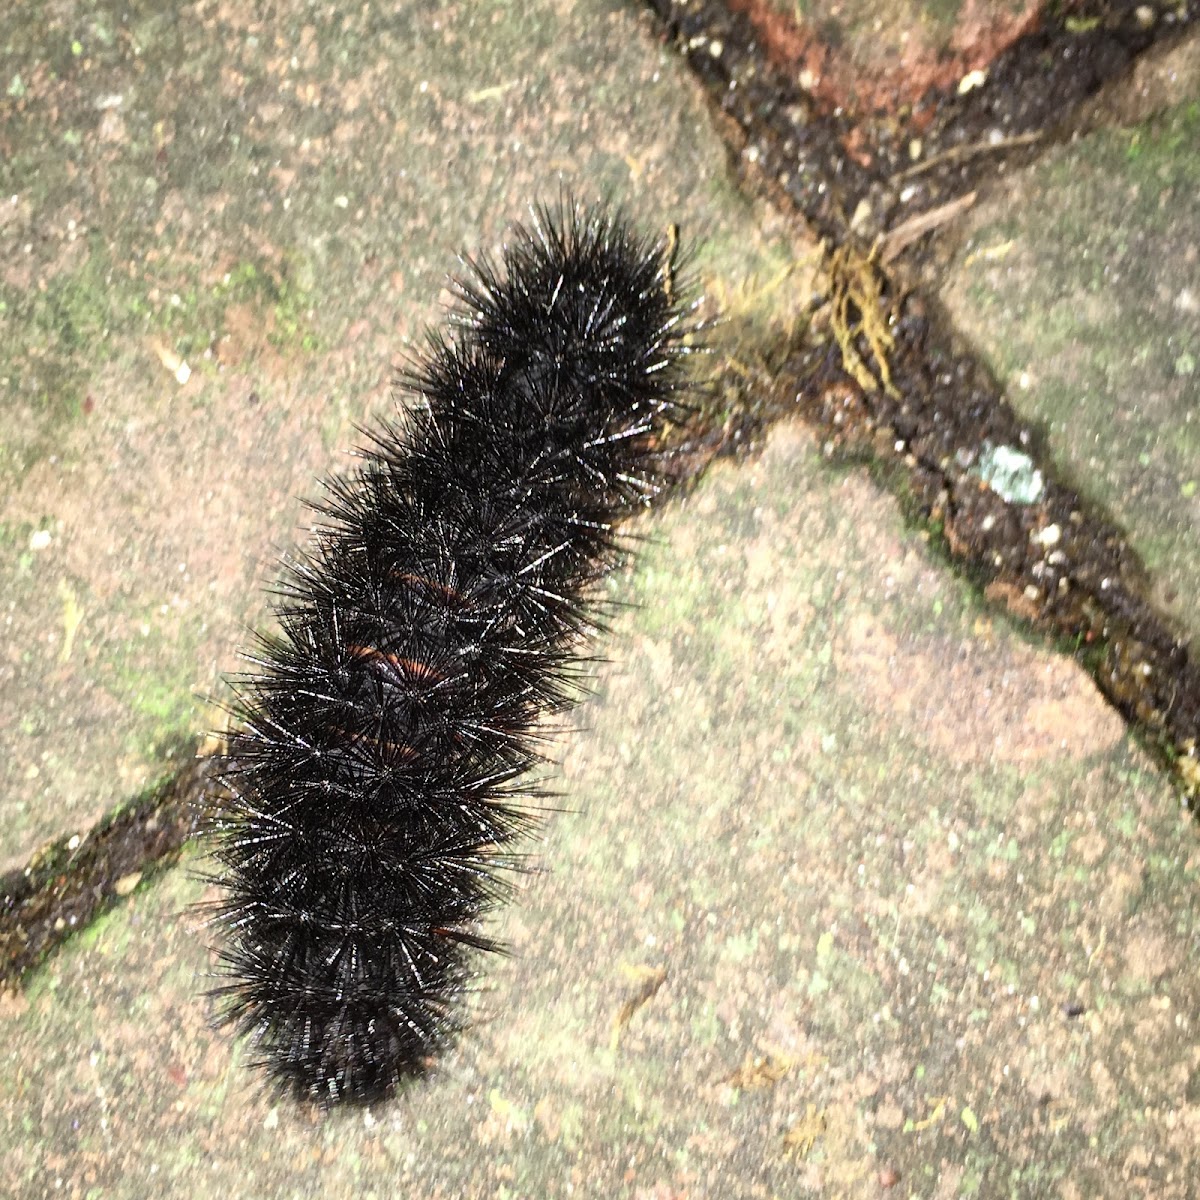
column 866, row 891
column 934, row 425
column 930, row 413
column 876, row 171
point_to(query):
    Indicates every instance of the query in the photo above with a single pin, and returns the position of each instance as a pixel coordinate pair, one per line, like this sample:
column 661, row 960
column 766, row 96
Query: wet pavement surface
column 863, row 888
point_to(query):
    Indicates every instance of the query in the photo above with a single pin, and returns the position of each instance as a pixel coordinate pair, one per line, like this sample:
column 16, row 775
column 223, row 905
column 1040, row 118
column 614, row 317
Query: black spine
column 378, row 772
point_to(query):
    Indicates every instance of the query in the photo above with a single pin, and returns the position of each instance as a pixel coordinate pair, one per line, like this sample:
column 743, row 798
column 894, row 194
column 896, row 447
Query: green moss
column 151, row 675
column 76, row 310
column 1096, row 316
column 1157, row 149
column 195, row 318
column 942, row 14
column 113, row 925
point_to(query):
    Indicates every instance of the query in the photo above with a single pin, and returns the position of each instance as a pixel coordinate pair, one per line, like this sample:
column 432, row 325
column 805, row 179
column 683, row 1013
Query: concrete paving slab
column 860, row 892
column 221, row 235
column 857, row 886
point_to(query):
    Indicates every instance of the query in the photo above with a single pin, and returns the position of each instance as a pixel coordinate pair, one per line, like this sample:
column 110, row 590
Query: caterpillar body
column 378, row 774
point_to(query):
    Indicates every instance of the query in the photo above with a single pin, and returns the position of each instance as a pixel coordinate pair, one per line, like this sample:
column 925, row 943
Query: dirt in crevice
column 76, row 878
column 877, row 374
column 881, row 378
column 880, row 374
column 973, row 470
column 869, row 157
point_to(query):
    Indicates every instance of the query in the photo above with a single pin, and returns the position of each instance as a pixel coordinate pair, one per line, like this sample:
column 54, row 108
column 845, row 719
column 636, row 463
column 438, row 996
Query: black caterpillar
column 376, row 776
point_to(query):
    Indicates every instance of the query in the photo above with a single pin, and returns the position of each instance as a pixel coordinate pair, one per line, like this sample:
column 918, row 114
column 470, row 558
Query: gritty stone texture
column 862, row 945
column 1080, row 281
column 879, row 58
column 221, row 237
column 852, row 886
